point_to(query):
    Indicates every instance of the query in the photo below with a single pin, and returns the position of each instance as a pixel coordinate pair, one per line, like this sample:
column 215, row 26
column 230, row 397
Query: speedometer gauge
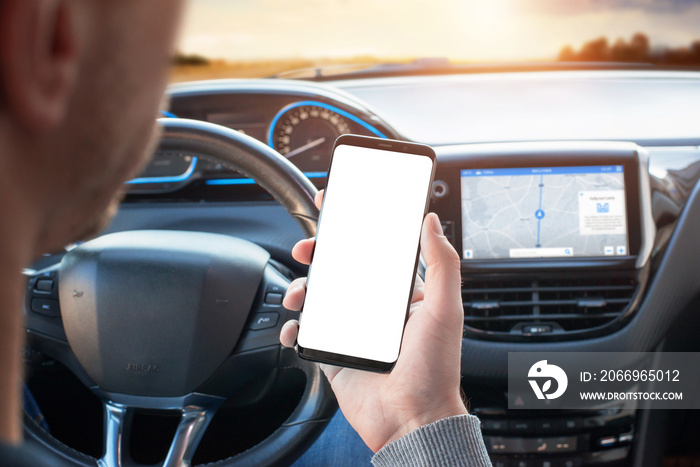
column 305, row 134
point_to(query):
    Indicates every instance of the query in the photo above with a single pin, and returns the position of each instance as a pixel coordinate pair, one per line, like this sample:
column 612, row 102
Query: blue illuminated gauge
column 304, row 132
column 305, row 135
column 167, row 168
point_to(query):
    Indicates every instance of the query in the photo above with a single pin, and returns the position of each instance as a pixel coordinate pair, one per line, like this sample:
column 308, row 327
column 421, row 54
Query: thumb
column 443, row 284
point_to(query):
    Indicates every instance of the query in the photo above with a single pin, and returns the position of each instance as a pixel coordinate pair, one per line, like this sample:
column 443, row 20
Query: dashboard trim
column 250, row 181
column 646, row 216
column 396, row 81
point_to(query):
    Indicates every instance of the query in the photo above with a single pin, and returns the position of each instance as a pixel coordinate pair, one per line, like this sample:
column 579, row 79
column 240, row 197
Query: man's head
column 81, row 82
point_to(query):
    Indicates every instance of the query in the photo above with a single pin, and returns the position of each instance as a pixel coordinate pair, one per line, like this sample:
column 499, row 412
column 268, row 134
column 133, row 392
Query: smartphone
column 361, row 277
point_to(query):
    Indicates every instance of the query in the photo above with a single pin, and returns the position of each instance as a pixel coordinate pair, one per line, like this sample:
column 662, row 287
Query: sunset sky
column 471, row 30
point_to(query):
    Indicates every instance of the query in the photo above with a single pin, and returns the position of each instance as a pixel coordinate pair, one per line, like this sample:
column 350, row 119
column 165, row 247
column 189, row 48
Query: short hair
column 3, row 98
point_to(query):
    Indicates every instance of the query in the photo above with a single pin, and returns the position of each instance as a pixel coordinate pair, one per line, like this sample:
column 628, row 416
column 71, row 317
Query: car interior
column 159, row 340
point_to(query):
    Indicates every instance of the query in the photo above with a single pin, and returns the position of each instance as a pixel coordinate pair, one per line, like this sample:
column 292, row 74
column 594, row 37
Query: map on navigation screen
column 543, row 212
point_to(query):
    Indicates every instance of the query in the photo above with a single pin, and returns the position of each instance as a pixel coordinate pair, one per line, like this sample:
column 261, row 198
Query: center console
column 554, row 240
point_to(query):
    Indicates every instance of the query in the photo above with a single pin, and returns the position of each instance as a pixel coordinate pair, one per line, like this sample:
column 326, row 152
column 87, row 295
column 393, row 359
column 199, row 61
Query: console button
column 523, row 463
column 572, row 423
column 494, row 425
column 564, row 444
column 539, row 444
column 546, row 425
column 520, row 426
column 498, row 444
column 500, row 462
column 440, row 189
column 626, row 438
column 46, row 307
column 447, row 229
column 607, row 442
column 537, row 329
column 545, row 463
column 573, row 462
column 44, row 285
column 264, row 321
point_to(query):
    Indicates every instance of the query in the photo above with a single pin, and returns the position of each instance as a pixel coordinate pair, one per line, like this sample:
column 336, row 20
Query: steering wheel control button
column 44, row 285
column 264, row 321
column 46, row 307
column 273, row 298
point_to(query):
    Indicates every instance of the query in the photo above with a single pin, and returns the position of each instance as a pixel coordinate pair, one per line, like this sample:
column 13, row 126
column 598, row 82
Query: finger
column 303, row 250
column 418, row 290
column 294, row 298
column 318, row 199
column 288, row 338
column 288, row 334
column 331, row 371
column 443, row 294
column 417, row 296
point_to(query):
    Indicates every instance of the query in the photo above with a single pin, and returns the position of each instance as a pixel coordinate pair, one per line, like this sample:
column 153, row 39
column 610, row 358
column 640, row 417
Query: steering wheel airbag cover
column 154, row 313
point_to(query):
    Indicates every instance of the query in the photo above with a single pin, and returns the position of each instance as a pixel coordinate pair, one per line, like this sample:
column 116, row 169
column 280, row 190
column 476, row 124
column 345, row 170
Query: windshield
column 260, row 38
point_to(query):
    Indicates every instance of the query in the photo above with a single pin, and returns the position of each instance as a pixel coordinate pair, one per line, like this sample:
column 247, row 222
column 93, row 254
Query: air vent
column 545, row 306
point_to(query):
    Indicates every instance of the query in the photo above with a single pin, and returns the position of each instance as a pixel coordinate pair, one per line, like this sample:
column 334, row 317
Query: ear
column 38, row 60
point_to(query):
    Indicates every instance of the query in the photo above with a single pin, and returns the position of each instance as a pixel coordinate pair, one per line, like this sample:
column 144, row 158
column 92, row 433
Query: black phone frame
column 386, row 145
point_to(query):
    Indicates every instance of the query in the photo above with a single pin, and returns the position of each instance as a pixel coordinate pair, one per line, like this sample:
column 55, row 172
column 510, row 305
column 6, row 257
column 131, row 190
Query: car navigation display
column 543, row 212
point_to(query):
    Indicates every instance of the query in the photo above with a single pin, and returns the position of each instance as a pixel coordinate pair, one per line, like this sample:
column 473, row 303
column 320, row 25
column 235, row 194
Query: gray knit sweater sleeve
column 452, row 441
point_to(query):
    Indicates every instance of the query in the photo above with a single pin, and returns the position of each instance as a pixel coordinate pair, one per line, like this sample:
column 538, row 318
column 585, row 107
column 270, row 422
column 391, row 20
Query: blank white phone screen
column 362, row 269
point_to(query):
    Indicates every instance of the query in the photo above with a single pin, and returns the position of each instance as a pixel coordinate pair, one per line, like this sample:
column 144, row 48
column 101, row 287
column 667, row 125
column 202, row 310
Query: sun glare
column 303, row 33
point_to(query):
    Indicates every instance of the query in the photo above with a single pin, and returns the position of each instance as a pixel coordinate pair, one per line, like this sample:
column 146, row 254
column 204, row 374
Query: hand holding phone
column 423, row 386
column 383, row 183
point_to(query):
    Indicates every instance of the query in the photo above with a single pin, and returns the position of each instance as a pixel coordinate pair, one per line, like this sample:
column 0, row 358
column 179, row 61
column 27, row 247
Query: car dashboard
column 629, row 293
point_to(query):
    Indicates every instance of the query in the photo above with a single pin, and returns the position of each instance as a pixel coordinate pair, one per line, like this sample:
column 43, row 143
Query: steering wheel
column 171, row 320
